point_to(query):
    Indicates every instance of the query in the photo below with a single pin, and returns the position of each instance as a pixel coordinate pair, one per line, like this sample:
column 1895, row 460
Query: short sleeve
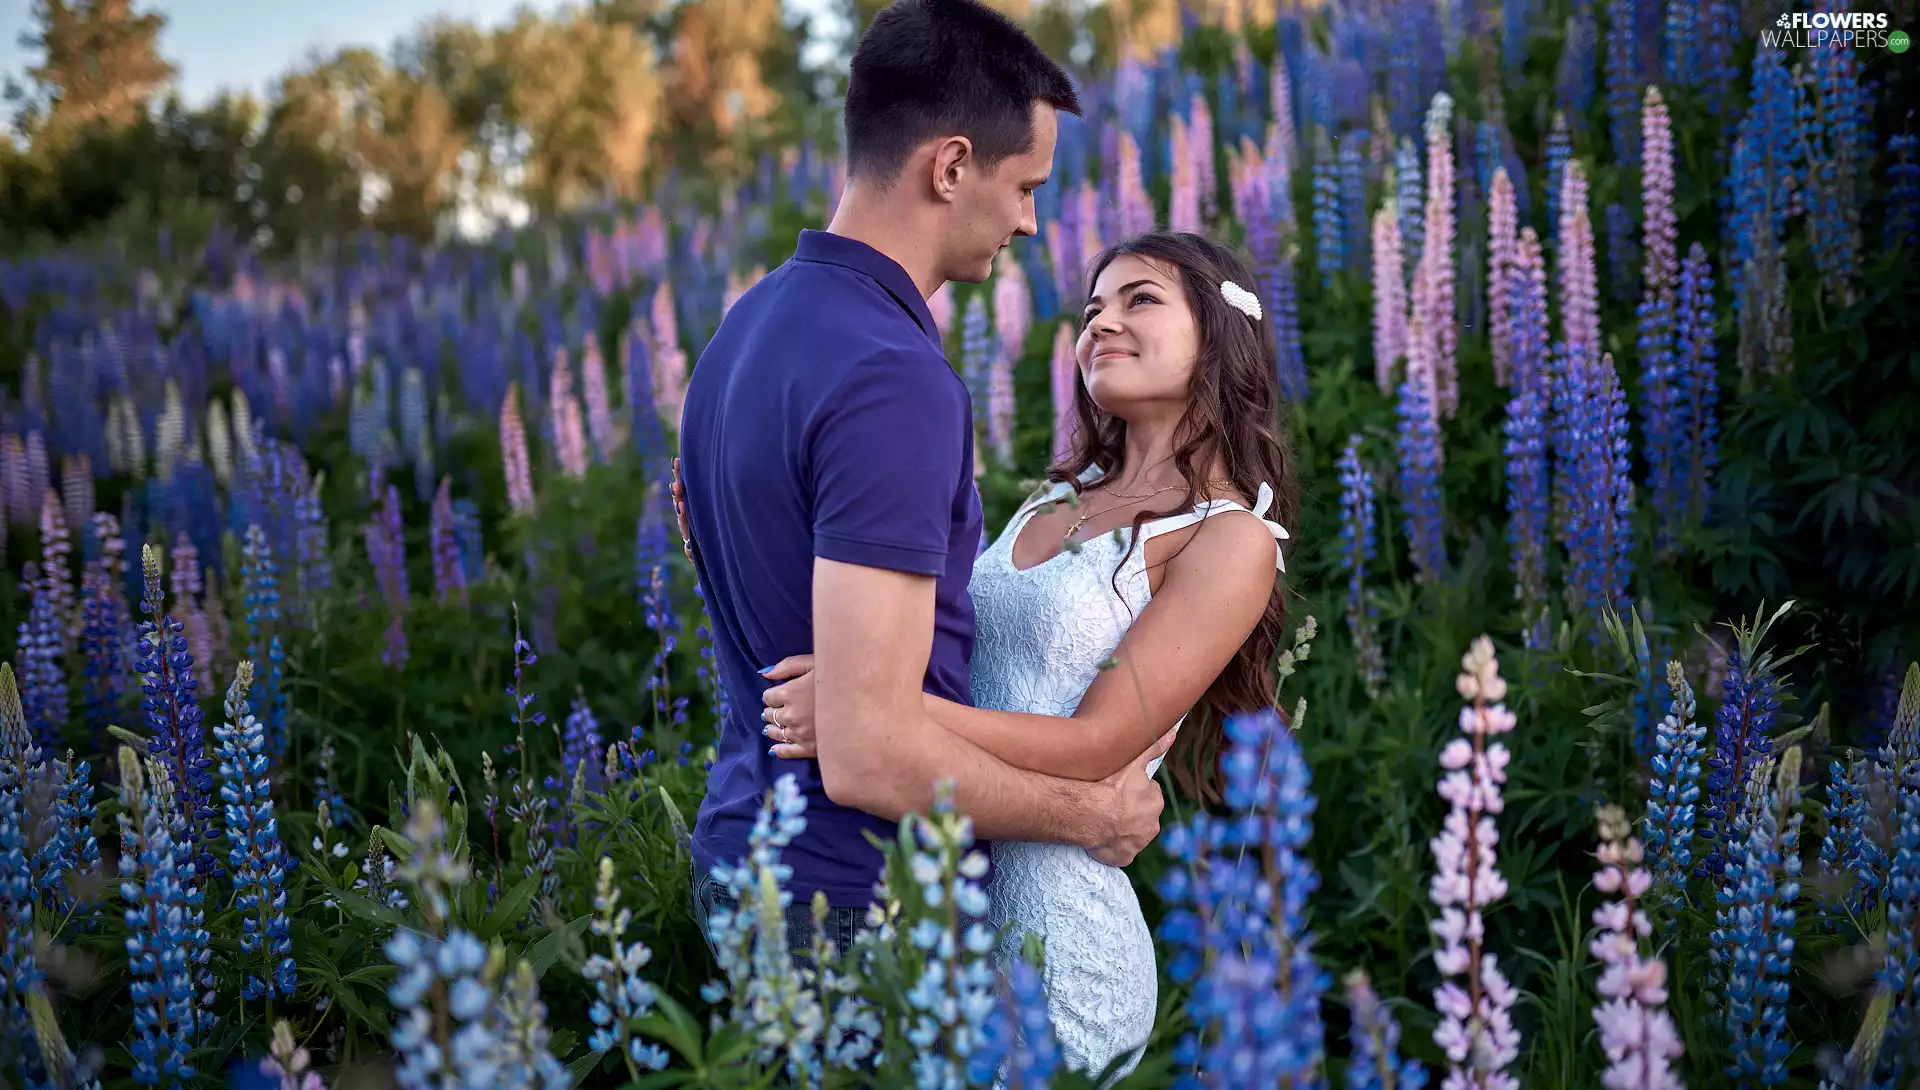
column 886, row 454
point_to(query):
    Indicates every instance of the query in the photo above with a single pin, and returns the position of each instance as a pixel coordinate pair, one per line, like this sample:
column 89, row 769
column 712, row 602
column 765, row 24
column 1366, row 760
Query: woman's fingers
column 791, row 752
column 775, row 697
column 788, row 668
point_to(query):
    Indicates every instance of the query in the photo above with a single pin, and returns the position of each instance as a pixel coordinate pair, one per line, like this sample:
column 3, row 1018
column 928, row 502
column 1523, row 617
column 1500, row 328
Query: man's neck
column 867, row 218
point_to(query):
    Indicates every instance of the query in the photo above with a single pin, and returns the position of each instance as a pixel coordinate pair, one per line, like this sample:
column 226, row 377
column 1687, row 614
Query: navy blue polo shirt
column 822, row 420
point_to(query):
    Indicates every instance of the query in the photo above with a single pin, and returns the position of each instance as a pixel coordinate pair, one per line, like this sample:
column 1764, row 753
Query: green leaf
column 579, row 1069
column 541, row 955
column 509, row 909
column 366, row 908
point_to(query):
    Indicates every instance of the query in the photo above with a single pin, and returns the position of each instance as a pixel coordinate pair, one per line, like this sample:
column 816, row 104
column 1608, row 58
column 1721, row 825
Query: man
column 827, row 462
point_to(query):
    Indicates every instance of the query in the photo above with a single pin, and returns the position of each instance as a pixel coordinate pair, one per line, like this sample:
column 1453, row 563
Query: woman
column 1154, row 548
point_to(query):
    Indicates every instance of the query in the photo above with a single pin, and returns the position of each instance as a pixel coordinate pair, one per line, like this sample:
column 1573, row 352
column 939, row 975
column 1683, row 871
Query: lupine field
column 361, row 698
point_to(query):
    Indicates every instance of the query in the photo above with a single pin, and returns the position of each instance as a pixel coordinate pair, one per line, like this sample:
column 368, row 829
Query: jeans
column 842, row 924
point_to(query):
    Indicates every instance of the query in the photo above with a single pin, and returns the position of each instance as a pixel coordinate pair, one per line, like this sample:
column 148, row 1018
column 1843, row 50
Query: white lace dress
column 1041, row 635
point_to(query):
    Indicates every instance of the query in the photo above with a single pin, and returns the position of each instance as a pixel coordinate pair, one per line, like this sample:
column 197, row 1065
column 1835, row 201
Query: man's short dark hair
column 928, row 68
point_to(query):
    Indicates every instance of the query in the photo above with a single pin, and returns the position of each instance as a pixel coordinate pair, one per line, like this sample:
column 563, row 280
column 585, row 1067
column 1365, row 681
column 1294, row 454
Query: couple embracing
column 827, row 489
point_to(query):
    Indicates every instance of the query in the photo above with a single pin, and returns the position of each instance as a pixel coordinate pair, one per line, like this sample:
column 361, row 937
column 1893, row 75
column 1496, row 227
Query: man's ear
column 952, row 158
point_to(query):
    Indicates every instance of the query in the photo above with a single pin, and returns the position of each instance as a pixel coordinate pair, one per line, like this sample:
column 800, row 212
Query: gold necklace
column 1082, row 520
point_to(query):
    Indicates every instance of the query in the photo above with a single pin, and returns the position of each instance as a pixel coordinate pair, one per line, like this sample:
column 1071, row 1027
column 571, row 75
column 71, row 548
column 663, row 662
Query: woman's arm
column 1213, row 594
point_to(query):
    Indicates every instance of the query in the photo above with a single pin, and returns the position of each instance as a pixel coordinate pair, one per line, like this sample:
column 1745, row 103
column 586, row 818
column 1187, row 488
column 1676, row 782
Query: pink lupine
column 1433, row 286
column 1058, row 242
column 1476, row 1028
column 569, row 436
column 940, row 303
column 1136, row 207
column 1389, row 297
column 1636, row 1033
column 1089, row 231
column 1000, row 407
column 600, row 420
column 1065, row 372
column 513, row 453
column 1183, row 210
column 187, row 582
column 1574, row 269
column 1502, row 227
column 1012, row 306
column 669, row 359
column 1203, row 172
column 1659, row 233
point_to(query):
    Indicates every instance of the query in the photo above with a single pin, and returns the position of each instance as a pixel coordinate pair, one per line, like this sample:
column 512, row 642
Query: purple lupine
column 1903, row 190
column 1136, row 207
column 1419, row 447
column 976, row 349
column 1764, row 187
column 1559, row 154
column 1661, row 413
column 56, row 545
column 1742, row 738
column 1697, row 376
column 1623, row 81
column 449, row 571
column 1526, row 446
column 1579, row 342
column 1329, row 237
column 1357, row 547
column 1503, row 221
column 1389, row 298
column 1433, row 290
column 387, row 552
column 43, row 679
column 1064, row 376
column 1353, row 200
column 1836, row 133
column 1600, row 540
column 103, row 644
column 171, row 703
column 1183, row 189
column 513, row 453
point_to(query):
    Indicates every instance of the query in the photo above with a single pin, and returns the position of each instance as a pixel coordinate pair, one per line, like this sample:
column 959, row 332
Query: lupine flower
column 1012, row 307
column 1420, row 459
column 1136, row 207
column 171, row 705
column 1017, row 1037
column 254, row 850
column 56, row 545
column 1376, row 1062
column 1353, row 200
column 1753, row 944
column 1000, row 408
column 1559, row 154
column 1623, row 78
column 449, row 571
column 1389, row 298
column 467, row 540
column 43, row 679
column 1410, row 200
column 624, row 995
column 163, row 920
column 1476, row 1028
column 1636, row 1034
column 1236, row 919
column 1697, row 376
column 1203, row 140
column 1502, row 237
column 259, row 577
column 567, row 424
column 1356, row 549
column 976, row 348
column 952, row 983
column 1898, row 978
column 771, row 997
column 387, row 552
column 289, row 1063
column 1526, row 446
column 1183, row 188
column 1433, row 294
column 1742, row 741
column 20, row 975
column 668, row 710
column 1661, row 411
column 529, row 807
column 1064, row 377
column 1764, row 189
column 1674, row 789
column 708, row 672
column 1851, row 861
column 513, row 452
column 1600, row 533
column 1836, row 130
column 1329, row 238
column 1903, row 190
column 593, row 388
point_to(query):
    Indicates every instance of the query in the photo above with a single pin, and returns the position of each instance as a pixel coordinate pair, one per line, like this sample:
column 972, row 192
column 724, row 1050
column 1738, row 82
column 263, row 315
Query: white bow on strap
column 1279, row 532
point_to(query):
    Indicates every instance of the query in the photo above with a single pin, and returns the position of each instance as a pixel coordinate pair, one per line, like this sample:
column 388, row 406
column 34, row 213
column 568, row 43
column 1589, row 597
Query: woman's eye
column 1143, row 296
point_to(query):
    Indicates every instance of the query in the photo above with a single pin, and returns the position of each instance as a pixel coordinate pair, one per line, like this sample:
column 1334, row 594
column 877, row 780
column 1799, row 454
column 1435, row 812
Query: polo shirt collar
column 824, row 246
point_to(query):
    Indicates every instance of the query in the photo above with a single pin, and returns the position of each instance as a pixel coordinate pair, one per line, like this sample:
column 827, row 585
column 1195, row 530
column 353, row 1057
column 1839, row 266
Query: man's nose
column 1029, row 221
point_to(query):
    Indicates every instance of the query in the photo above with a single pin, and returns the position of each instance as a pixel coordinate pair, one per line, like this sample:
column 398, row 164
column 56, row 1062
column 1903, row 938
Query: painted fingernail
column 764, row 669
column 766, row 732
column 770, row 750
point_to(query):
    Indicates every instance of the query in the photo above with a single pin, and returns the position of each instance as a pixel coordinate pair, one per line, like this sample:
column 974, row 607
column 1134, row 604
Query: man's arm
column 881, row 752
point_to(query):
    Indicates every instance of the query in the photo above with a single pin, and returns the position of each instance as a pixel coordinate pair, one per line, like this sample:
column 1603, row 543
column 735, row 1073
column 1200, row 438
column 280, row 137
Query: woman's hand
column 789, row 709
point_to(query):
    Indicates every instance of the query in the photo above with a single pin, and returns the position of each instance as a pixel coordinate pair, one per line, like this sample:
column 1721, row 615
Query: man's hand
column 788, row 710
column 1136, row 804
column 680, row 513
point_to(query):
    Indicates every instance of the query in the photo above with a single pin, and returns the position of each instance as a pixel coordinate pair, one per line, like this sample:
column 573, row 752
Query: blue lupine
column 43, row 680
column 708, row 671
column 1357, row 547
column 1376, row 1062
column 1899, row 974
column 449, row 570
column 259, row 578
column 1329, row 237
column 1903, row 190
column 580, row 748
column 1851, row 860
column 1353, row 202
column 977, row 349
column 1762, row 188
column 1017, row 1038
column 1674, row 789
column 20, row 974
column 657, row 611
column 1608, row 490
column 1410, row 198
column 1696, row 375
column 1753, row 943
column 1835, row 134
column 1526, row 445
column 1623, row 253
column 466, row 535
column 1663, row 418
column 1559, row 154
column 1624, row 84
column 1516, row 21
column 623, row 994
column 103, row 648
column 1236, row 918
column 163, row 921
column 952, row 993
column 258, row 859
column 1742, row 739
column 171, row 704
column 1420, row 478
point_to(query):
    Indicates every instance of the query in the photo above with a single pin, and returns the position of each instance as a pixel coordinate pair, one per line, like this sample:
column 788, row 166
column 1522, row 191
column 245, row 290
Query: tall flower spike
column 1636, row 1034
column 513, row 453
column 1389, row 297
column 1753, row 945
column 1376, row 1062
column 1476, row 1028
column 1420, row 454
column 1674, row 790
column 1502, row 239
column 1435, row 301
column 1526, row 431
column 1357, row 548
column 254, row 851
column 171, row 703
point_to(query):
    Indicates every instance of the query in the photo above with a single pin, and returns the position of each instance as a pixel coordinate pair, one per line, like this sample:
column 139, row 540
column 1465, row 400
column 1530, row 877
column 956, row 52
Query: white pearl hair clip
column 1241, row 299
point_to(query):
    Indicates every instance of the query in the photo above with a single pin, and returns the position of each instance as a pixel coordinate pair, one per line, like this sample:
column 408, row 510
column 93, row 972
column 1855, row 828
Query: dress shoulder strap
column 1210, row 508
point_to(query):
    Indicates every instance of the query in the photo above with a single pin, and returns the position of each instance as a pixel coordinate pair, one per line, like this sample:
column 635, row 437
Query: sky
column 246, row 44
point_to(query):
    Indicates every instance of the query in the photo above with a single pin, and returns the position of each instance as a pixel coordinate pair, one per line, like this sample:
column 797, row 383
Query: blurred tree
column 101, row 63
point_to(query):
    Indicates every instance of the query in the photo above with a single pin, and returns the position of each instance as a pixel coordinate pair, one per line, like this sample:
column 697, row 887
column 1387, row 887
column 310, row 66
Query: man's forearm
column 1005, row 802
column 1051, row 745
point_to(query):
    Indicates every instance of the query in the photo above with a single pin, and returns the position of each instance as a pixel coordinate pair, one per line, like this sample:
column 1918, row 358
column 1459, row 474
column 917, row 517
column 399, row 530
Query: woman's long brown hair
column 1232, row 418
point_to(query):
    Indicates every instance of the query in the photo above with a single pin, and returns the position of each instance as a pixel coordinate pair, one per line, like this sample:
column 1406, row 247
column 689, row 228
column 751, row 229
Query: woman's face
column 1139, row 340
